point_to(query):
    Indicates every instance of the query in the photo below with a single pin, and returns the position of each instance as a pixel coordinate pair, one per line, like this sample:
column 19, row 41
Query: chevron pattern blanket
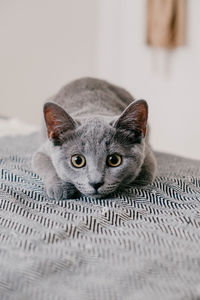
column 140, row 245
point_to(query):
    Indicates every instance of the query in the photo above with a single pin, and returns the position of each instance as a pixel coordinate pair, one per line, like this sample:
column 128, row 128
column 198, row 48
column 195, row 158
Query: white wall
column 45, row 43
column 170, row 82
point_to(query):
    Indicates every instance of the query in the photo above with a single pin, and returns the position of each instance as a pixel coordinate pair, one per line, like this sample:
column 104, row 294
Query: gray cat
column 96, row 142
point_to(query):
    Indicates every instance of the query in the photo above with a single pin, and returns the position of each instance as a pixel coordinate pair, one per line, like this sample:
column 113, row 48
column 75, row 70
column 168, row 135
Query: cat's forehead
column 96, row 130
column 95, row 133
column 94, row 137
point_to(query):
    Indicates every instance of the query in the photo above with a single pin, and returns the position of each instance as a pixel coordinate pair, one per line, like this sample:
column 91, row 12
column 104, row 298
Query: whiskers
column 103, row 191
column 134, row 184
column 111, row 188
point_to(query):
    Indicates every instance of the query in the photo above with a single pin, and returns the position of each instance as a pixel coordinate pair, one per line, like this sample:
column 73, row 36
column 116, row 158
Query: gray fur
column 90, row 126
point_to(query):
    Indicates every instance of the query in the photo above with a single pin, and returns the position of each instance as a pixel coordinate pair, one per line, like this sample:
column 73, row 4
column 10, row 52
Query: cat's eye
column 114, row 160
column 78, row 161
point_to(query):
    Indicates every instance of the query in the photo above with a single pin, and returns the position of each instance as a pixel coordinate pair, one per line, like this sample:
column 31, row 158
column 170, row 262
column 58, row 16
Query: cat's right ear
column 57, row 121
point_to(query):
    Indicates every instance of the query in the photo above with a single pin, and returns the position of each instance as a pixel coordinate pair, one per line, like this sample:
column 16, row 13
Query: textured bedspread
column 142, row 245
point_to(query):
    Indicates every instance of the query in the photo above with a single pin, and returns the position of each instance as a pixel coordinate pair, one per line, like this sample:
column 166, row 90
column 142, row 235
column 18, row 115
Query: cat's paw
column 60, row 190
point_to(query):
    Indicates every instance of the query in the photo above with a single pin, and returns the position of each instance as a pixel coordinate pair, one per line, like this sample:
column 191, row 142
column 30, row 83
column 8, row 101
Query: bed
column 142, row 244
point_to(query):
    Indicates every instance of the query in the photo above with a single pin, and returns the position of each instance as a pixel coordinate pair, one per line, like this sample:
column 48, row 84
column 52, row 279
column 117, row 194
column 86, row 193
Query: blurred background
column 46, row 43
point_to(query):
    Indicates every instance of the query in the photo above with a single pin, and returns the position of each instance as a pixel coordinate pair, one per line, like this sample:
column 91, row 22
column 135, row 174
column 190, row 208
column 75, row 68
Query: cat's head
column 98, row 157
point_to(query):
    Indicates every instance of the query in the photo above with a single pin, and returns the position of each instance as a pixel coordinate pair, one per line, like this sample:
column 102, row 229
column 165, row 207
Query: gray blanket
column 140, row 245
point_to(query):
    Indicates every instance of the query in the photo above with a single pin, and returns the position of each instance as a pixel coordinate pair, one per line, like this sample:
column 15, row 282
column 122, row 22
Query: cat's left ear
column 134, row 117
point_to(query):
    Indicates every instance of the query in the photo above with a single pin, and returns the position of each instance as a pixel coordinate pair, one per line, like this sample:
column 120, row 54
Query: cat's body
column 96, row 132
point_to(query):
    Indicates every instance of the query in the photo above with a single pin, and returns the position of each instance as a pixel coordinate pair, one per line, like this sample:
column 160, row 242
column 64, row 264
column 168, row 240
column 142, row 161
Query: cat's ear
column 134, row 117
column 57, row 120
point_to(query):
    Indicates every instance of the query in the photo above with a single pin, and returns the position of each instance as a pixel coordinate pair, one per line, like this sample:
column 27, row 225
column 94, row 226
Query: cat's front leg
column 55, row 187
column 58, row 189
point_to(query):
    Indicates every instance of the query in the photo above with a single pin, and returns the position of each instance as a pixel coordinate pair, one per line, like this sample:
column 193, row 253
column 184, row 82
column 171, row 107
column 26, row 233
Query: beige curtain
column 166, row 22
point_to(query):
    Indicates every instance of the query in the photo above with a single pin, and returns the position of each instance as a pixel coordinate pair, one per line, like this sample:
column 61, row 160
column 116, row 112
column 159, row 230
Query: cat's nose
column 96, row 185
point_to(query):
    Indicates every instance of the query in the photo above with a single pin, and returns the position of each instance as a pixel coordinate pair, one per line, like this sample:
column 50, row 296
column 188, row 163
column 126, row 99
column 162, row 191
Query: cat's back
column 92, row 96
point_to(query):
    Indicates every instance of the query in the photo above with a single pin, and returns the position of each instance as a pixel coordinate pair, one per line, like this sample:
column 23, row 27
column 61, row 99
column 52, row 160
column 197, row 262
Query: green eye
column 114, row 160
column 78, row 161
